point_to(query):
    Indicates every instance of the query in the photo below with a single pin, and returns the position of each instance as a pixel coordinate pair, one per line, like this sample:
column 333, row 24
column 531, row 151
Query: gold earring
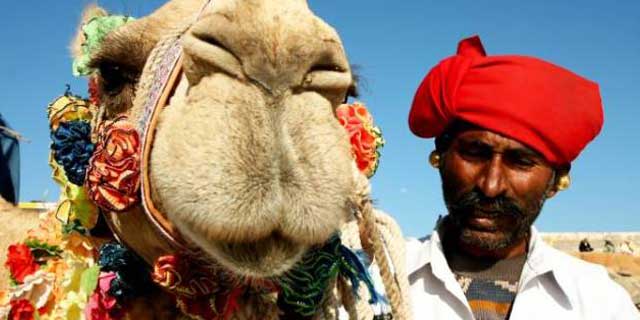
column 434, row 159
column 564, row 182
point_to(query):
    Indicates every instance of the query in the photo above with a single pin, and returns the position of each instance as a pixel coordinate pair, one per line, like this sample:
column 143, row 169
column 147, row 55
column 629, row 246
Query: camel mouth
column 265, row 258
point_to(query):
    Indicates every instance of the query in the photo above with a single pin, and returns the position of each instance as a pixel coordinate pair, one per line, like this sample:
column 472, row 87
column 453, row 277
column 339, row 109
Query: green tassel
column 303, row 287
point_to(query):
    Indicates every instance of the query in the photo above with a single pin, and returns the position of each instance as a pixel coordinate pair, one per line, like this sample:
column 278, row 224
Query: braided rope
column 394, row 243
column 330, row 304
column 348, row 300
column 390, row 284
column 373, row 242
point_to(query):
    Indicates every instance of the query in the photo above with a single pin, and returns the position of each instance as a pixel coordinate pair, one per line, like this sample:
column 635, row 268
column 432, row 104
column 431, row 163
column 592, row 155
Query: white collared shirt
column 553, row 285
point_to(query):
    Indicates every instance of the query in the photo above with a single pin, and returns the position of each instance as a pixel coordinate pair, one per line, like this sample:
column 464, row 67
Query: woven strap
column 158, row 83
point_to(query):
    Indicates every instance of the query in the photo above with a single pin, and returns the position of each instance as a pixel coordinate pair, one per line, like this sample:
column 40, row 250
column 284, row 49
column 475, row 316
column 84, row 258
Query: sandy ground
column 619, row 252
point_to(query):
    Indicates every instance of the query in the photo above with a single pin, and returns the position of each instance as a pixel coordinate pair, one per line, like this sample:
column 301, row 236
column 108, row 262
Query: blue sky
column 395, row 43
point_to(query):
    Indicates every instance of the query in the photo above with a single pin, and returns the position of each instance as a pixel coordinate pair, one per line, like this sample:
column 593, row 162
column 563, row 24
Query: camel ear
column 89, row 12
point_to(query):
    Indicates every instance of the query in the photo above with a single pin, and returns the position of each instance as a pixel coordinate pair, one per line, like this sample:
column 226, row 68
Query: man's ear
column 89, row 12
column 561, row 181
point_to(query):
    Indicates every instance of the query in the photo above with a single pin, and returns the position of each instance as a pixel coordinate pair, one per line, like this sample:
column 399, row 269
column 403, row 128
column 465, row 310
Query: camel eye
column 114, row 78
column 116, row 86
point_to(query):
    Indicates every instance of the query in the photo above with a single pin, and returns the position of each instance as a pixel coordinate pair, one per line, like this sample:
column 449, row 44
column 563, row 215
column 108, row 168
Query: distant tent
column 9, row 163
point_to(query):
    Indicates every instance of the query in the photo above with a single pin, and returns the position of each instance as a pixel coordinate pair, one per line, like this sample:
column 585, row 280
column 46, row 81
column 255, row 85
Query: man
column 506, row 129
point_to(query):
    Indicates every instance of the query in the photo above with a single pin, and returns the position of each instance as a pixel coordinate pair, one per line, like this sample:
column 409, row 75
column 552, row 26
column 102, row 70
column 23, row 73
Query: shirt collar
column 542, row 260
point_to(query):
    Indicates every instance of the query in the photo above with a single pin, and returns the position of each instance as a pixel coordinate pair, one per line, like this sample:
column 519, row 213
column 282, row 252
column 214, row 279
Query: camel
column 248, row 170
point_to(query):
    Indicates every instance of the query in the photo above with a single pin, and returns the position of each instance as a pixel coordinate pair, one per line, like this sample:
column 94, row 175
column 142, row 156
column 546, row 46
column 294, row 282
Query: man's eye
column 521, row 162
column 474, row 152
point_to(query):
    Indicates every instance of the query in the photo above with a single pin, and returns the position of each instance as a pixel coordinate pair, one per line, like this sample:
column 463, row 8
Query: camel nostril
column 211, row 40
column 207, row 54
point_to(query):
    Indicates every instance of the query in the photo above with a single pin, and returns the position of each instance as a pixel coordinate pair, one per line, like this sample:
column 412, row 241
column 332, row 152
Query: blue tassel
column 353, row 268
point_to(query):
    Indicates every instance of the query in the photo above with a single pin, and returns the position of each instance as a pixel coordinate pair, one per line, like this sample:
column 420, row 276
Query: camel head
column 248, row 162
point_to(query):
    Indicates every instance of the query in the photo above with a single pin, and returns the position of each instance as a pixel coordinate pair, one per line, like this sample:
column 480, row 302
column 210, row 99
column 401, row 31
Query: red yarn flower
column 21, row 310
column 166, row 272
column 114, row 169
column 364, row 136
column 195, row 292
column 20, row 262
column 101, row 305
column 189, row 280
column 94, row 91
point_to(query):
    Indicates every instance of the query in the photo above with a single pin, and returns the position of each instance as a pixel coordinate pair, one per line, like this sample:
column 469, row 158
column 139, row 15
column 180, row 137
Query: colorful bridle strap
column 165, row 76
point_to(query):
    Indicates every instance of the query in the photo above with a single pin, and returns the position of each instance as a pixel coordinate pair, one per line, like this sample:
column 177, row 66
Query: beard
column 489, row 223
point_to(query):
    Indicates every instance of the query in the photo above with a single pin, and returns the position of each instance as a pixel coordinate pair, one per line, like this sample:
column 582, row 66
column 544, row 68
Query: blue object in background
column 9, row 163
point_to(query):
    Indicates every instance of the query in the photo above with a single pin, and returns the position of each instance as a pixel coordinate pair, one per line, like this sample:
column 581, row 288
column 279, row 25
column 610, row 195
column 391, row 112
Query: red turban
column 546, row 107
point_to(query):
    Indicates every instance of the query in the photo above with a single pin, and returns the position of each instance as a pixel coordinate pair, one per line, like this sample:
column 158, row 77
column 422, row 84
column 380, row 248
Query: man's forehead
column 496, row 141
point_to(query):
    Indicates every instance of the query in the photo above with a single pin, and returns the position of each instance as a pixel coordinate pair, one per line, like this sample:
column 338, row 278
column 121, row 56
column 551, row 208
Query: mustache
column 475, row 200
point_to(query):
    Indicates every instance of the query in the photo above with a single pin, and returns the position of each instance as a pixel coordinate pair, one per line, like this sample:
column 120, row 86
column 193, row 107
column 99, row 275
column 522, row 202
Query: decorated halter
column 104, row 166
column 302, row 289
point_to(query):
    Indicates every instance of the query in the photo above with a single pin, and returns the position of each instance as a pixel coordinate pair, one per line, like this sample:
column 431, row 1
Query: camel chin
column 263, row 259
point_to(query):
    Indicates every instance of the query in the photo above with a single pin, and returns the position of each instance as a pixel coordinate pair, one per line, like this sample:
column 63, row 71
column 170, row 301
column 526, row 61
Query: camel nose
column 207, row 52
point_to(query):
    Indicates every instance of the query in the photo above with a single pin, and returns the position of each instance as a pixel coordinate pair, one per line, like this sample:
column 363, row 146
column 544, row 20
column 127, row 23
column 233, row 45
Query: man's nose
column 492, row 181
